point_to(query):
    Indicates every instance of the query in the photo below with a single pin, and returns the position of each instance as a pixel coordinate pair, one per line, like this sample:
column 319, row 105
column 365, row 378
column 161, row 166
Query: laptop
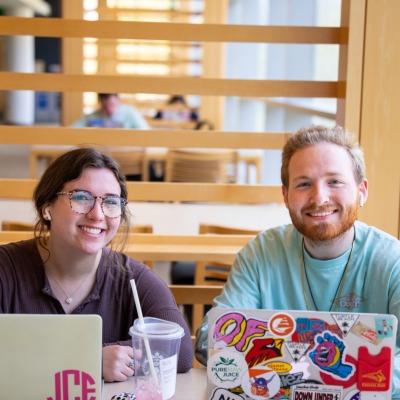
column 299, row 355
column 50, row 357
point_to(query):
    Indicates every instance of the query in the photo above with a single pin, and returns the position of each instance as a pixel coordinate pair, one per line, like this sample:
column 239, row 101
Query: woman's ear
column 46, row 213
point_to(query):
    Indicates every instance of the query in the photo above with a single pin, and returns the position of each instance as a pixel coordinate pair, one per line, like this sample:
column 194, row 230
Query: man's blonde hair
column 315, row 134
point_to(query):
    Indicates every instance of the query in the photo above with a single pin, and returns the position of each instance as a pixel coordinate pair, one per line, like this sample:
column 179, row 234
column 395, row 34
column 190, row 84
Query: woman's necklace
column 69, row 298
column 304, row 278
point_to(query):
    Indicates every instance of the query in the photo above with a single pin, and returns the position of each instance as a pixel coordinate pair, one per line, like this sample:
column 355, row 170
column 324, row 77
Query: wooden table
column 151, row 247
column 193, row 382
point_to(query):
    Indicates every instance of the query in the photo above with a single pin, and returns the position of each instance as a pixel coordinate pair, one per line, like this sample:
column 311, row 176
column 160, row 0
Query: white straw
column 146, row 340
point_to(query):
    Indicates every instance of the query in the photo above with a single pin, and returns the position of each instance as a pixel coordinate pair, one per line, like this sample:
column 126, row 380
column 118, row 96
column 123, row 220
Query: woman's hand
column 117, row 363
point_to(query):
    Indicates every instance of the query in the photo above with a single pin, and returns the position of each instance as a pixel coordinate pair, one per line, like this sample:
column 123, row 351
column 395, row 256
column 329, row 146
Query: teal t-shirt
column 124, row 117
column 267, row 273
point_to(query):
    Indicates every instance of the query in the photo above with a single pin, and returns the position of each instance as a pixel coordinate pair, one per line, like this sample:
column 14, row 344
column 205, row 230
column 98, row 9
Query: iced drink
column 164, row 338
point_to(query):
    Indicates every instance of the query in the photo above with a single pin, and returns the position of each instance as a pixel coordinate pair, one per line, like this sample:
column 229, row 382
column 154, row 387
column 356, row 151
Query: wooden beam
column 74, row 28
column 47, row 135
column 185, row 86
column 351, row 64
column 22, row 189
column 72, row 63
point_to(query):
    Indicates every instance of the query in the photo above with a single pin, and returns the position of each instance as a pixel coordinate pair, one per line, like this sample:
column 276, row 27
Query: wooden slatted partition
column 71, row 81
column 120, row 137
column 68, row 28
column 22, row 189
column 200, row 86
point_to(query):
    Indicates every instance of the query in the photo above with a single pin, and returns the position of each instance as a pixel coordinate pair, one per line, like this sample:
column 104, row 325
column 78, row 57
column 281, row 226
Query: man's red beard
column 323, row 231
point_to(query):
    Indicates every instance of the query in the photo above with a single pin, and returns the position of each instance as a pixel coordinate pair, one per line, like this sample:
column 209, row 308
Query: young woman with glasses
column 74, row 265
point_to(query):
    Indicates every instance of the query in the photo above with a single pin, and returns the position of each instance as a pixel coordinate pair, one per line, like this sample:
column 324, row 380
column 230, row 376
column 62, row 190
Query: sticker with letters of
column 225, row 368
column 261, row 383
column 316, row 392
column 224, row 394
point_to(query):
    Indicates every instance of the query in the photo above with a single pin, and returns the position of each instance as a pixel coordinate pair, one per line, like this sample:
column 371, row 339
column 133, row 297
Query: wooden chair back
column 211, row 272
column 207, row 229
column 16, row 226
column 214, row 166
column 144, row 229
column 195, row 295
column 132, row 162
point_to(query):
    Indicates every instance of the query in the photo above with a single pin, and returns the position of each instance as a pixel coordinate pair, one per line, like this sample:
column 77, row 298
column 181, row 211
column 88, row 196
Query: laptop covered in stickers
column 299, row 355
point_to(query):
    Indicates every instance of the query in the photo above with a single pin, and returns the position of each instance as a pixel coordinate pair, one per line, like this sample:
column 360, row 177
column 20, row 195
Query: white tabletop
column 193, row 382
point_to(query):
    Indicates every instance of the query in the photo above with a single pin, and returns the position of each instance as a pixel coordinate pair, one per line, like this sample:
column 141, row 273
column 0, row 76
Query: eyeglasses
column 82, row 202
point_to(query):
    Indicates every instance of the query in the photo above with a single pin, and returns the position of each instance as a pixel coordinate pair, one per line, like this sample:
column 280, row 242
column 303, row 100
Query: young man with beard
column 326, row 260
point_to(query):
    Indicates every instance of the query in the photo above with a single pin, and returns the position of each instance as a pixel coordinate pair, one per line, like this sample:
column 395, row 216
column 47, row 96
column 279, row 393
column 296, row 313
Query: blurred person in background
column 113, row 114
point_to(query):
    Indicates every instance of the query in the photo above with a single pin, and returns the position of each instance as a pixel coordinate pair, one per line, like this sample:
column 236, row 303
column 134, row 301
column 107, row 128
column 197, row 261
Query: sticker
column 282, row 324
column 307, row 324
column 263, row 350
column 261, row 383
column 224, row 394
column 329, row 355
column 374, row 371
column 316, row 392
column 371, row 396
column 345, row 322
column 308, row 328
column 225, row 368
column 234, row 330
column 353, row 395
column 279, row 367
column 384, row 327
column 365, row 332
column 332, row 380
column 297, row 350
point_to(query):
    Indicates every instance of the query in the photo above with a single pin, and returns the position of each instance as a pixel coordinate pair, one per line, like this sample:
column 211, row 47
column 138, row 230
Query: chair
column 210, row 272
column 143, row 229
column 194, row 295
column 214, row 166
column 133, row 163
column 204, row 273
